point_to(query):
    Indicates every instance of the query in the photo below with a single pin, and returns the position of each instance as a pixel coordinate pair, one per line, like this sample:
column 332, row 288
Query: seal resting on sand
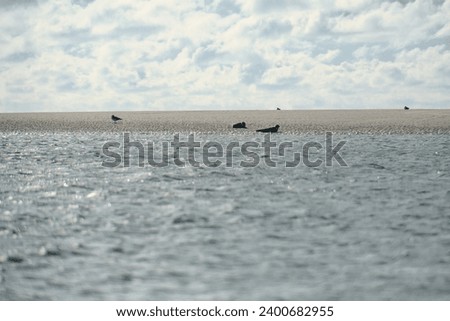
column 240, row 125
column 269, row 130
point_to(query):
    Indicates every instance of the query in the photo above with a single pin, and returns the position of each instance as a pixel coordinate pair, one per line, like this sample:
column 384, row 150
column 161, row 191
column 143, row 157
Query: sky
column 99, row 55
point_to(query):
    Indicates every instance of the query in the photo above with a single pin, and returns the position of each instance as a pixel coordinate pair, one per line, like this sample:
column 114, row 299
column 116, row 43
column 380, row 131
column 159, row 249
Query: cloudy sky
column 94, row 55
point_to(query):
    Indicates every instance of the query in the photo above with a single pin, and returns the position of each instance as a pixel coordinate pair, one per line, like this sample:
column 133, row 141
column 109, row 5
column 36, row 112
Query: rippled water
column 378, row 229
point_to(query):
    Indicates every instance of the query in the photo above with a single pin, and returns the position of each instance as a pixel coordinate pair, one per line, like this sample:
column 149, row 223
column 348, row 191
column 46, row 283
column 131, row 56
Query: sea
column 94, row 216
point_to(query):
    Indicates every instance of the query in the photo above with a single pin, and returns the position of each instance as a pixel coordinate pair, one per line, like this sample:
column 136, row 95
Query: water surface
column 377, row 229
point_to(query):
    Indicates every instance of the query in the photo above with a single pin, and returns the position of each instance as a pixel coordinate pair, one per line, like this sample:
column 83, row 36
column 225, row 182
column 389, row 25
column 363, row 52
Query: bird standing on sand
column 269, row 130
column 115, row 119
column 278, row 108
column 406, row 108
column 240, row 125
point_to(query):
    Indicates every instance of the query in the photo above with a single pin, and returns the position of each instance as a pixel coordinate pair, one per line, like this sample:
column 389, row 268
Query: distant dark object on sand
column 406, row 108
column 278, row 108
column 269, row 130
column 115, row 119
column 240, row 125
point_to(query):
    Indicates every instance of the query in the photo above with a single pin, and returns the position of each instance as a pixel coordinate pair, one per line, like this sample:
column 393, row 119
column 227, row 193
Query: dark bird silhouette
column 406, row 108
column 269, row 130
column 240, row 125
column 115, row 119
column 278, row 108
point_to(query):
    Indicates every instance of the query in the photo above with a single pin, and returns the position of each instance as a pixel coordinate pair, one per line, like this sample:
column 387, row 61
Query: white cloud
column 234, row 54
